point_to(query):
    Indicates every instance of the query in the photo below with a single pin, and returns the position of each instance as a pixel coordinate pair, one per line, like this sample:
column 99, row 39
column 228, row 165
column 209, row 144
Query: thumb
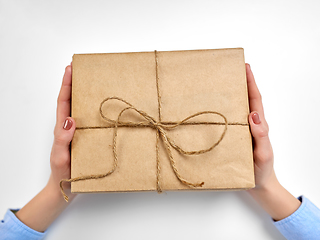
column 259, row 130
column 65, row 134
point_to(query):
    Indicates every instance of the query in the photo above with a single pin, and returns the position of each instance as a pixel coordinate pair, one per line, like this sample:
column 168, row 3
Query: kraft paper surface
column 189, row 82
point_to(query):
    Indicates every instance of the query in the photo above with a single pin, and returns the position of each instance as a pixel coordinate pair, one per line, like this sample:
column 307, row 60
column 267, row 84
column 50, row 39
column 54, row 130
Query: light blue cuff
column 12, row 228
column 303, row 224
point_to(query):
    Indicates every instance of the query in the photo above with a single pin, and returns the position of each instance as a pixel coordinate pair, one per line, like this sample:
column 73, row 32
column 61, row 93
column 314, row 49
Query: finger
column 259, row 131
column 63, row 102
column 255, row 100
column 63, row 137
column 60, row 154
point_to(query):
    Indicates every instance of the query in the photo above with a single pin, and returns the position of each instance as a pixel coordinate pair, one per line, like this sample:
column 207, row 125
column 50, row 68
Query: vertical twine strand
column 159, row 190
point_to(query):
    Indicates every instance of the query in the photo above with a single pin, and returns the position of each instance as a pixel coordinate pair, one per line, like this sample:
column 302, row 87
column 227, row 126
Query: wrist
column 53, row 189
column 275, row 199
column 44, row 208
column 268, row 187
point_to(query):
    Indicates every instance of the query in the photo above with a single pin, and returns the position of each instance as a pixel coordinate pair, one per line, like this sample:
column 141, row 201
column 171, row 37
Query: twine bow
column 161, row 130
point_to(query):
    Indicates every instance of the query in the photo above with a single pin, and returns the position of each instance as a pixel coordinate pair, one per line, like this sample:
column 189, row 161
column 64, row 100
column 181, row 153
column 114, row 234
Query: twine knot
column 161, row 131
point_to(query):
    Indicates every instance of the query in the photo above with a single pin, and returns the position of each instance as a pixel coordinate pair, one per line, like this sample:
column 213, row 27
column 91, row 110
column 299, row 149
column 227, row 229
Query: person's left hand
column 47, row 205
column 63, row 134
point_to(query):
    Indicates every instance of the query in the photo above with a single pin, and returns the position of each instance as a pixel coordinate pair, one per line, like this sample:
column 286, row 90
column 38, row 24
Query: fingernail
column 256, row 118
column 67, row 124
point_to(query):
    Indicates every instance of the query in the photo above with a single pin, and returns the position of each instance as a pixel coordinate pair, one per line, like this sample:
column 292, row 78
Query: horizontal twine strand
column 160, row 128
column 143, row 124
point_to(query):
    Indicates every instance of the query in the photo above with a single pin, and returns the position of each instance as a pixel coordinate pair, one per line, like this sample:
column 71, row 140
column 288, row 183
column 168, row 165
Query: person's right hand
column 262, row 153
column 271, row 196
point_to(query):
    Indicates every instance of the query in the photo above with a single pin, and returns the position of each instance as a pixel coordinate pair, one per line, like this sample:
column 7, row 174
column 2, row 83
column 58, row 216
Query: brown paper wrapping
column 189, row 82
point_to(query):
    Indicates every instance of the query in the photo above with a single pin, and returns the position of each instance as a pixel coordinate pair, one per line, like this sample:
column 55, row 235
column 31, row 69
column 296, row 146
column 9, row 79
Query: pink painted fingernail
column 256, row 118
column 67, row 124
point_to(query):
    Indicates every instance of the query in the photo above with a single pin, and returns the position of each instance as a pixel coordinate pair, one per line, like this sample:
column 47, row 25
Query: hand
column 262, row 153
column 271, row 196
column 44, row 208
column 63, row 134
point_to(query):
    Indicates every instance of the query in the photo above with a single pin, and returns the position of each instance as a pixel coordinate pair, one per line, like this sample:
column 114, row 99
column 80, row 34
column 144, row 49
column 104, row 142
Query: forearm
column 275, row 199
column 44, row 208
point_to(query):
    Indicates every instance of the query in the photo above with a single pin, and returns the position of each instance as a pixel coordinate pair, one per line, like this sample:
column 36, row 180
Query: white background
column 37, row 40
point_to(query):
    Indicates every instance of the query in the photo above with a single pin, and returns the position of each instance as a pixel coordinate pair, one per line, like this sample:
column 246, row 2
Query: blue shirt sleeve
column 303, row 224
column 12, row 228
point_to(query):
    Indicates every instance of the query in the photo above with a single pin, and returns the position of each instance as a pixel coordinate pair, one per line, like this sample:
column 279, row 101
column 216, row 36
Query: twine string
column 159, row 189
column 161, row 132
